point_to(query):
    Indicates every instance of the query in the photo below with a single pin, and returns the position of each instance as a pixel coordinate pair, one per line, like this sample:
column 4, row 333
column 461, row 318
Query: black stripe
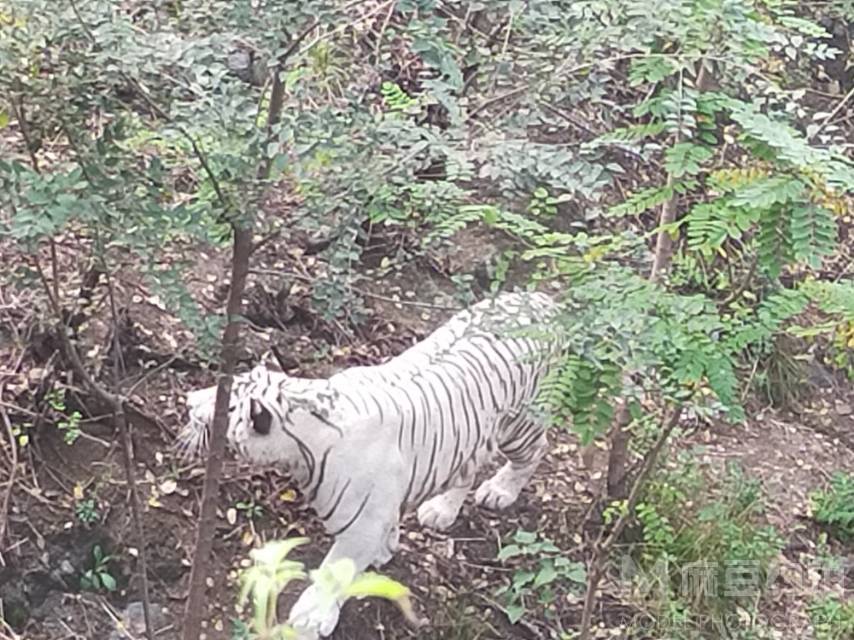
column 454, row 464
column 370, row 393
column 405, row 391
column 522, row 358
column 486, row 351
column 471, row 378
column 485, row 376
column 432, row 488
column 527, row 438
column 337, row 502
column 441, row 414
column 317, row 415
column 353, row 519
column 450, row 404
column 465, row 384
column 425, row 412
column 313, row 495
column 494, row 345
column 351, row 401
column 420, row 493
column 397, row 409
column 304, row 450
column 411, row 480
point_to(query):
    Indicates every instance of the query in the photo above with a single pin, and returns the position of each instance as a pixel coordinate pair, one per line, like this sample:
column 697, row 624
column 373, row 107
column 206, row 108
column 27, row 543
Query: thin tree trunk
column 619, row 453
column 618, row 457
column 195, row 608
column 664, row 242
column 242, row 250
column 605, row 544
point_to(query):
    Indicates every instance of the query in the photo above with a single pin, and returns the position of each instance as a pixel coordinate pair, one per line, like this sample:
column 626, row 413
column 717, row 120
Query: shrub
column 704, row 550
column 833, row 506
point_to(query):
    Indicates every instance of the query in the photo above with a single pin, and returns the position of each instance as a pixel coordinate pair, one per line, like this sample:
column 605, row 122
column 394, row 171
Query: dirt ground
column 453, row 576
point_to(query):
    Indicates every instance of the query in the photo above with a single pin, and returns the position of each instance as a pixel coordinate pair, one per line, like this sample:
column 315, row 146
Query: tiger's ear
column 270, row 360
column 262, row 419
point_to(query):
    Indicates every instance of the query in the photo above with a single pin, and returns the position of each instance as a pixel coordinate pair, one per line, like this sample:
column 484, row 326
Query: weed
column 832, row 618
column 86, row 511
column 841, row 352
column 240, row 630
column 543, row 572
column 833, row 506
column 250, row 509
column 67, row 423
column 462, row 288
column 705, row 552
column 99, row 576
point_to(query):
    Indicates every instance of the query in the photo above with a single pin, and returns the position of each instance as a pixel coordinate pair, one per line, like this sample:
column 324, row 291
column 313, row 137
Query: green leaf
column 545, row 575
column 374, row 584
column 685, row 158
column 490, row 215
column 652, row 69
column 650, row 197
column 514, row 612
column 4, row 119
column 766, row 192
column 108, row 581
column 524, row 537
column 577, row 574
column 522, row 578
column 510, row 551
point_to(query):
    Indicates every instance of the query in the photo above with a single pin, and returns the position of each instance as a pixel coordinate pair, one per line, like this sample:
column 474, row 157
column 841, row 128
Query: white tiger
column 368, row 442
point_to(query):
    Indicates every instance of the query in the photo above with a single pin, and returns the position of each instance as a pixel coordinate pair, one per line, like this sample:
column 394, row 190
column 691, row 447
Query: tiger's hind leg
column 523, row 450
column 440, row 512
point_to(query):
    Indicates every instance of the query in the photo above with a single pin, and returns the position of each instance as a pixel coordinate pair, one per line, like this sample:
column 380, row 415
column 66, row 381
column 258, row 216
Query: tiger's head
column 273, row 418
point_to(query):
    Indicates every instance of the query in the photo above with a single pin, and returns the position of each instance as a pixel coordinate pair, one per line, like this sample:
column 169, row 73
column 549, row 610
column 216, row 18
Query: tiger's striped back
column 466, row 390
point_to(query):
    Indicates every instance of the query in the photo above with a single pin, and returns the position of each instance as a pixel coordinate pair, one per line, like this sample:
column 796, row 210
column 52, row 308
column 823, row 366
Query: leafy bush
column 833, row 506
column 704, row 552
column 543, row 573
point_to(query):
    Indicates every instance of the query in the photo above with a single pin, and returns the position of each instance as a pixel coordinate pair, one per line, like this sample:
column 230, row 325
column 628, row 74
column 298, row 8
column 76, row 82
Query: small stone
column 843, row 408
column 133, row 621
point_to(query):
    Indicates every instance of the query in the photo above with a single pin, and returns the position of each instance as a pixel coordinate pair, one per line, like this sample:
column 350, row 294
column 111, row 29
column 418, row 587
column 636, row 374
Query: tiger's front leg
column 441, row 511
column 368, row 541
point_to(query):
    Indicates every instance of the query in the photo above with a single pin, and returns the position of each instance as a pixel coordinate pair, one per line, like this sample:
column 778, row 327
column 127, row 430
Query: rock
column 133, row 620
column 843, row 408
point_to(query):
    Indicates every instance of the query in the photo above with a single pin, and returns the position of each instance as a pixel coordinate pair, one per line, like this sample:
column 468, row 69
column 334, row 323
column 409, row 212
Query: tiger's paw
column 312, row 618
column 493, row 495
column 437, row 513
column 391, row 546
